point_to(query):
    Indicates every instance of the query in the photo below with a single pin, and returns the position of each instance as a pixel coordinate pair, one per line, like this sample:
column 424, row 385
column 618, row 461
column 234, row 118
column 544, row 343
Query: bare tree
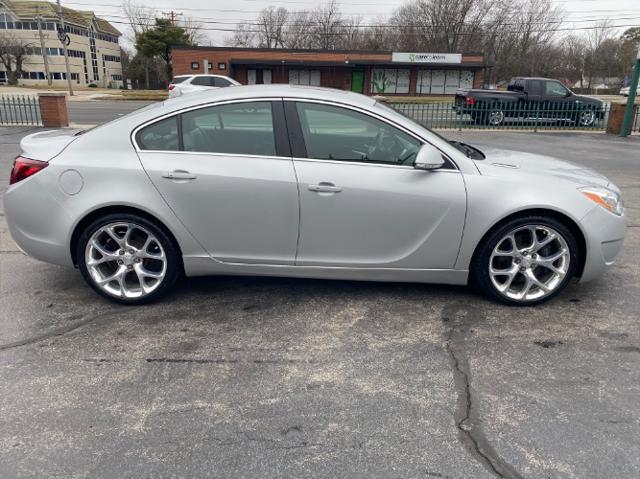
column 298, row 31
column 13, row 55
column 595, row 39
column 271, row 25
column 141, row 18
column 244, row 36
column 327, row 26
column 194, row 30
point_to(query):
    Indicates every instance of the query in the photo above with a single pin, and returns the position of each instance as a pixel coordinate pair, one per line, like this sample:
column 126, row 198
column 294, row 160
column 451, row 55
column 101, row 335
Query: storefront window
column 443, row 82
column 390, row 80
column 257, row 77
column 304, row 77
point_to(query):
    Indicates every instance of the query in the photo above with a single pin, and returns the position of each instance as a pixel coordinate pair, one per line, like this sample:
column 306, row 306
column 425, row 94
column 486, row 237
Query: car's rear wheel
column 495, row 116
column 526, row 261
column 128, row 258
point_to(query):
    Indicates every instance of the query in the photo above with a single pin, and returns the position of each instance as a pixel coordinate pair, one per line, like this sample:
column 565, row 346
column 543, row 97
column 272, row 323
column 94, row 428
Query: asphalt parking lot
column 260, row 377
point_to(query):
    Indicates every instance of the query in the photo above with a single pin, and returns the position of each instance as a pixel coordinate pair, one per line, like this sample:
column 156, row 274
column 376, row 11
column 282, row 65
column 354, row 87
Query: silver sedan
column 304, row 182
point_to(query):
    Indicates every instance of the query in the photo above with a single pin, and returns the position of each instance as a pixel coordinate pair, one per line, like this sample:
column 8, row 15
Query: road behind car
column 260, row 377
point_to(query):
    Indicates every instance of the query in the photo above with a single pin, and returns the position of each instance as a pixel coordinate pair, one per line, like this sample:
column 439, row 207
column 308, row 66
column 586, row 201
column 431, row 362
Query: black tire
column 174, row 268
column 479, row 271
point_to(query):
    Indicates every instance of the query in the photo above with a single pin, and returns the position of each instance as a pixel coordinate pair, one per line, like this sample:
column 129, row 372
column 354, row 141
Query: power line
column 403, row 33
column 205, row 20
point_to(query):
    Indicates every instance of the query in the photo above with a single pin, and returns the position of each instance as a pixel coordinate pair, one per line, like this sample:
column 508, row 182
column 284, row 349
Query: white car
column 183, row 84
column 626, row 90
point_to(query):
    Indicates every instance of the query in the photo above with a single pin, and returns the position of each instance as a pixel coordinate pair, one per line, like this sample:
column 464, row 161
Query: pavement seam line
column 87, row 319
column 458, row 320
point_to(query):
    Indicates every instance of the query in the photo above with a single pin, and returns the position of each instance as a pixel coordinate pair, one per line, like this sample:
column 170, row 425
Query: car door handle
column 324, row 187
column 179, row 175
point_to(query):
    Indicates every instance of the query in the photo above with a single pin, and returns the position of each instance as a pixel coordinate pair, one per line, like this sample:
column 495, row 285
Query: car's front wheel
column 526, row 261
column 128, row 258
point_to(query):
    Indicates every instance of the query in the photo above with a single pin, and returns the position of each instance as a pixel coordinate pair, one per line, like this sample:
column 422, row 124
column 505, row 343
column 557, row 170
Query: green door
column 357, row 81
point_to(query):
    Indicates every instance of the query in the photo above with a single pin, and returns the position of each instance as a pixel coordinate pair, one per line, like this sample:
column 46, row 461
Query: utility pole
column 64, row 38
column 172, row 16
column 633, row 88
column 43, row 48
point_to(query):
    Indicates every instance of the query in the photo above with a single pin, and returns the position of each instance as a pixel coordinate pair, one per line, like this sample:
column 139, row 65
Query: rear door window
column 201, row 81
column 239, row 128
column 535, row 87
column 221, row 82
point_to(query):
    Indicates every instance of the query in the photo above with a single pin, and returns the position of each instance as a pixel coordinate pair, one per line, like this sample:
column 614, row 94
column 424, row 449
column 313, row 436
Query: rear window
column 177, row 80
column 160, row 136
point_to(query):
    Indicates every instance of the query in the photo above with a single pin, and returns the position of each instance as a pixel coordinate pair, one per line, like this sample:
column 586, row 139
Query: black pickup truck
column 539, row 99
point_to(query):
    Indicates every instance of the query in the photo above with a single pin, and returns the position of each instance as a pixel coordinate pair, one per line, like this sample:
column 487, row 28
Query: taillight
column 471, row 101
column 171, row 86
column 24, row 168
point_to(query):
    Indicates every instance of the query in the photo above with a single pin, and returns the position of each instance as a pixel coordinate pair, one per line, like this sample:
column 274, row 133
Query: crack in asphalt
column 458, row 320
column 86, row 319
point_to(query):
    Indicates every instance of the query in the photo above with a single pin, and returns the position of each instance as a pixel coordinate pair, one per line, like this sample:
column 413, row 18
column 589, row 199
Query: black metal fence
column 517, row 116
column 19, row 110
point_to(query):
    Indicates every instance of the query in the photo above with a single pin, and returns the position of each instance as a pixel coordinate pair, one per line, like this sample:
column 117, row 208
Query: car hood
column 587, row 100
column 500, row 162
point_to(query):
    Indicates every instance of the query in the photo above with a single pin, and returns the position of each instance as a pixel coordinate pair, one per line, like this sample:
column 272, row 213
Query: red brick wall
column 53, row 110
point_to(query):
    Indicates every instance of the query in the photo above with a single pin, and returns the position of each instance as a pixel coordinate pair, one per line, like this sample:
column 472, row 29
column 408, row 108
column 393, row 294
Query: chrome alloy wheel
column 496, row 117
column 587, row 118
column 125, row 260
column 529, row 263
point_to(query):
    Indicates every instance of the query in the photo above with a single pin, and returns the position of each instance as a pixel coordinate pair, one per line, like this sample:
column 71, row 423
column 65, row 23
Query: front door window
column 334, row 133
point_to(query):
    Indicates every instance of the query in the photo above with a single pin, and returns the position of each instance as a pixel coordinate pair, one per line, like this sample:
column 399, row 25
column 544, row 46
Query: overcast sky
column 218, row 15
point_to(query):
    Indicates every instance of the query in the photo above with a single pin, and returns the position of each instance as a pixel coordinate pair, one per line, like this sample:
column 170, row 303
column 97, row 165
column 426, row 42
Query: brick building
column 368, row 72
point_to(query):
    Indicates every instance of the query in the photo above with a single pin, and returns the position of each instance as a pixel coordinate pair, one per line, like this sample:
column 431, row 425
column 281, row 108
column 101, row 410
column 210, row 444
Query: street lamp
column 64, row 38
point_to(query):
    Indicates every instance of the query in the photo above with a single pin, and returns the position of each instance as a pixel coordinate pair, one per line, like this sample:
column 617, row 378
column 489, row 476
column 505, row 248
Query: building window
column 390, row 80
column 222, row 66
column 116, row 77
column 111, row 58
column 304, row 77
column 443, row 82
column 195, row 65
column 258, row 77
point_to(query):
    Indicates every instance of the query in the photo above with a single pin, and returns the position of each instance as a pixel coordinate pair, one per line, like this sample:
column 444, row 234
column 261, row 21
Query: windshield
column 468, row 150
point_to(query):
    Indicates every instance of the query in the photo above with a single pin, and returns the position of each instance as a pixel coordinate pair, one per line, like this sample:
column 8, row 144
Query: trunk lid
column 45, row 145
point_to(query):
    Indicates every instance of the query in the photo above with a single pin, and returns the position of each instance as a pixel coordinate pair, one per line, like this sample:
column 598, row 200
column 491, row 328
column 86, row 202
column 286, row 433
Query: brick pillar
column 616, row 117
column 53, row 109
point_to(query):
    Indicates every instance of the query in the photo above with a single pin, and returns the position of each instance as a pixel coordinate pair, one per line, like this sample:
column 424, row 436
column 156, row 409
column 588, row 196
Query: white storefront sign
column 426, row 57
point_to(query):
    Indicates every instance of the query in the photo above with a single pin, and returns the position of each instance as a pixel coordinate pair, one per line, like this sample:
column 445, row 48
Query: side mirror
column 428, row 158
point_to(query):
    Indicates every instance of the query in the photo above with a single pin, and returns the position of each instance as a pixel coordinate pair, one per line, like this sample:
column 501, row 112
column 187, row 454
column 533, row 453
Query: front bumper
column 604, row 235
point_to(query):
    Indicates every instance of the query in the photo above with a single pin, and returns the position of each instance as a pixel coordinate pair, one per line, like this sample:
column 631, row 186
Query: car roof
column 201, row 75
column 243, row 92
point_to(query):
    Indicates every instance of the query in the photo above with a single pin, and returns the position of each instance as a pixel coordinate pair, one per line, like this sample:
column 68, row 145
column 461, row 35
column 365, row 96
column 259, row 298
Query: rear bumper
column 37, row 222
column 604, row 235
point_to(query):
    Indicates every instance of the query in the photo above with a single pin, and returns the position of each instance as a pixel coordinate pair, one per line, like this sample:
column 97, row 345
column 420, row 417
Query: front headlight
column 608, row 199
